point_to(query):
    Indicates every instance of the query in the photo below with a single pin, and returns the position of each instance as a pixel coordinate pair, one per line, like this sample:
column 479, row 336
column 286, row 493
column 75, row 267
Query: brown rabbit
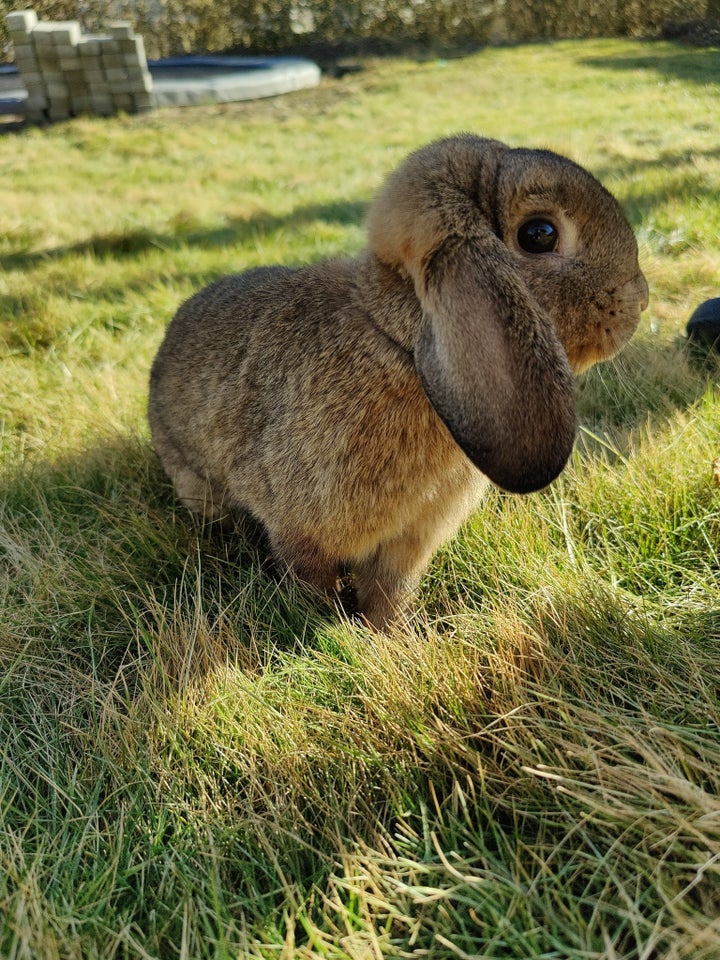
column 358, row 408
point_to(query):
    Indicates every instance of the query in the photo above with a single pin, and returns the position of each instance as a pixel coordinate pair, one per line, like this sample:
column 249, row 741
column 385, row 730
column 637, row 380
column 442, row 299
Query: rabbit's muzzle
column 609, row 324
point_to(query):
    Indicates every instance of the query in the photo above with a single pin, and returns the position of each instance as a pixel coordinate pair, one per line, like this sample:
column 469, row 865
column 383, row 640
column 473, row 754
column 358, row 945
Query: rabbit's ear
column 491, row 363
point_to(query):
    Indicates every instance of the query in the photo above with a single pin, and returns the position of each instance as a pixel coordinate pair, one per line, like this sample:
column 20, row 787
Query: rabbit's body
column 348, row 405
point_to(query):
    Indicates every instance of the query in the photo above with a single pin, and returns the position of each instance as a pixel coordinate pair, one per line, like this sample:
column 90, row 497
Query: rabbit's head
column 526, row 269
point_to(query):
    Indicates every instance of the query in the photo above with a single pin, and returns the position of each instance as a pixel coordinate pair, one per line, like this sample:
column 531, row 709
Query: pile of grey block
column 67, row 73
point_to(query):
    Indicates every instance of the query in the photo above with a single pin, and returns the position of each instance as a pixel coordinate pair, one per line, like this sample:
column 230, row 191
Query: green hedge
column 177, row 26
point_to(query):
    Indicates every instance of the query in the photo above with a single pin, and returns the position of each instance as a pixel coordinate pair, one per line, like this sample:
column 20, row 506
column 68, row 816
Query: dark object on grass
column 703, row 327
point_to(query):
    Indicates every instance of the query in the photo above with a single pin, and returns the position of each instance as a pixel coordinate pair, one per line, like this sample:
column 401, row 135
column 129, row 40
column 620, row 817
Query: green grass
column 199, row 762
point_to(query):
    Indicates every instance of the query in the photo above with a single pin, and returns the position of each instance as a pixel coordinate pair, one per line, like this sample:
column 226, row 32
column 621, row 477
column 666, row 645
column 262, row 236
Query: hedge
column 178, row 26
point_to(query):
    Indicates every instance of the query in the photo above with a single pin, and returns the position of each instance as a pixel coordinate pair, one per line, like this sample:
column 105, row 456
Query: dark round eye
column 538, row 236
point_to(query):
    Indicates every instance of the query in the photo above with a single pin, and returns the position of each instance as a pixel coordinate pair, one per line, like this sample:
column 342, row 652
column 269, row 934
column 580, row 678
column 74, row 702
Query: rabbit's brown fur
column 358, row 407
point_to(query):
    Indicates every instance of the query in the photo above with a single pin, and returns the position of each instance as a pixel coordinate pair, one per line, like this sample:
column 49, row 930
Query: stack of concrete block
column 67, row 73
column 21, row 23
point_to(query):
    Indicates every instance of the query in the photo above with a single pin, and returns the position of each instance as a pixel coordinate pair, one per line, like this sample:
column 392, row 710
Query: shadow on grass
column 26, row 326
column 689, row 65
column 101, row 534
column 681, row 178
column 235, row 231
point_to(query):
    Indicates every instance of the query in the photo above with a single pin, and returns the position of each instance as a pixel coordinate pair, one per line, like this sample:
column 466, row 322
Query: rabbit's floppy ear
column 493, row 368
column 487, row 354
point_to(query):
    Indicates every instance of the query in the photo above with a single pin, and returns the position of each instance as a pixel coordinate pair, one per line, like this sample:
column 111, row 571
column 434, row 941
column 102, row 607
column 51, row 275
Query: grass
column 199, row 762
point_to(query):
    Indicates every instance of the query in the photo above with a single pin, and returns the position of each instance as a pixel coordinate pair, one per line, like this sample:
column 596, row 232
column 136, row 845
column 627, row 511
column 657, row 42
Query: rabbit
column 359, row 408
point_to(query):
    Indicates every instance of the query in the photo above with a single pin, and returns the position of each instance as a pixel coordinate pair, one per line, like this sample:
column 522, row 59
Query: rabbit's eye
column 538, row 236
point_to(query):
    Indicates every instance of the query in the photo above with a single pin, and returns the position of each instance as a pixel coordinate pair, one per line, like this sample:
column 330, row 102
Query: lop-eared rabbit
column 358, row 408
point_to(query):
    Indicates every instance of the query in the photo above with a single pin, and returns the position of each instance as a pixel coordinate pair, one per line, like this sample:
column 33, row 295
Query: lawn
column 198, row 761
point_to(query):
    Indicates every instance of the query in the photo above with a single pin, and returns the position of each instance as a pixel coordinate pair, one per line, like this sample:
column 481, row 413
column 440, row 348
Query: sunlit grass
column 199, row 761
